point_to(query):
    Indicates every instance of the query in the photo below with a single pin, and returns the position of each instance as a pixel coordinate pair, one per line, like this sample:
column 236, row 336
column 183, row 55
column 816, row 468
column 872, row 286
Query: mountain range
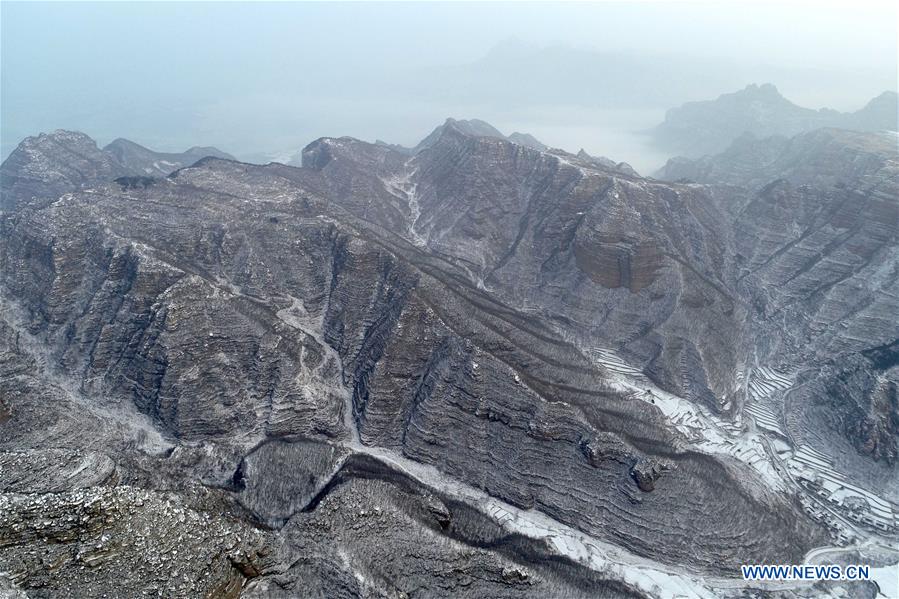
column 28, row 172
column 137, row 158
column 476, row 367
column 708, row 127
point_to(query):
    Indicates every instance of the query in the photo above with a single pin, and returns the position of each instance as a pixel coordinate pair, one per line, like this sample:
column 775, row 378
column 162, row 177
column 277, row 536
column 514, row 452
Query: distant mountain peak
column 48, row 143
column 470, row 127
column 526, row 139
column 478, row 128
column 887, row 96
column 121, row 141
column 708, row 127
column 144, row 161
column 764, row 89
column 65, row 159
column 766, row 93
column 59, row 136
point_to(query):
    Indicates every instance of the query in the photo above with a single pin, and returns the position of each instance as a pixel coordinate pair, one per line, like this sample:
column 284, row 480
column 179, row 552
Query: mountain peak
column 469, row 127
column 120, row 142
column 526, row 139
column 140, row 159
column 765, row 89
column 708, row 127
column 478, row 128
column 766, row 93
column 48, row 163
column 880, row 113
column 64, row 137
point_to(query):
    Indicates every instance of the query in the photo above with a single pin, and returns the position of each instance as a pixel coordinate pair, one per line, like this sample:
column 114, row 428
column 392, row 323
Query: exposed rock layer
column 237, row 335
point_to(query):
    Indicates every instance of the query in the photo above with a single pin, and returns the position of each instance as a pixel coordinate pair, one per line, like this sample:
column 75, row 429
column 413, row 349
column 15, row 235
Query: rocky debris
column 122, row 541
column 9, row 590
column 708, row 127
column 647, row 472
column 606, row 446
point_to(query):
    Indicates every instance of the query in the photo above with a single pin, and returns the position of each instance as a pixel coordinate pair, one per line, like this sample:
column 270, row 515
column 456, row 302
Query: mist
column 262, row 80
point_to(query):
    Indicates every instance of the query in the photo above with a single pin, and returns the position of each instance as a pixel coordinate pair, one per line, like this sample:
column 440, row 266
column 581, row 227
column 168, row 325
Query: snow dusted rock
column 526, row 139
column 42, row 168
column 816, row 249
column 124, row 541
column 457, row 372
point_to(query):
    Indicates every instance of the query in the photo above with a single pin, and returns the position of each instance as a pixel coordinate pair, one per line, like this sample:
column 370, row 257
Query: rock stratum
column 474, row 368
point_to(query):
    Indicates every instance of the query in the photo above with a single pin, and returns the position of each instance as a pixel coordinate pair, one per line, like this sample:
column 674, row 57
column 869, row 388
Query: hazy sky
column 267, row 77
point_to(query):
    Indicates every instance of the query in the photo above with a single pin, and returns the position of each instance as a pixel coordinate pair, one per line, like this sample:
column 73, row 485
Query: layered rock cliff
column 480, row 344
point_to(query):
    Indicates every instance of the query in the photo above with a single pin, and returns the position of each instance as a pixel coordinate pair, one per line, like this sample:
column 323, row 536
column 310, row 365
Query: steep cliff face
column 471, row 344
column 595, row 251
column 816, row 251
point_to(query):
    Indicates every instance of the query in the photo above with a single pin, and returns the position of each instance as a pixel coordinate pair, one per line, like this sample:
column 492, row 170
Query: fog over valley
column 264, row 83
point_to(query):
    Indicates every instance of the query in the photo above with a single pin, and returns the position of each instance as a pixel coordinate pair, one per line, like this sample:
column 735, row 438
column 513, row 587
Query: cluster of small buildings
column 861, row 507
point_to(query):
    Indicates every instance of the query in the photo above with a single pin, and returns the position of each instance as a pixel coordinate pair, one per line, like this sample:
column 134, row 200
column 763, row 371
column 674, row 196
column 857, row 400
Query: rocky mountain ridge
column 48, row 164
column 540, row 362
column 159, row 164
column 821, row 158
column 708, row 127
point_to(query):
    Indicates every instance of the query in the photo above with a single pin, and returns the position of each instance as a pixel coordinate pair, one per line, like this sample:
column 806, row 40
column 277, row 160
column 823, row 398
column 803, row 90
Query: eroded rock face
column 596, row 250
column 817, row 253
column 647, row 472
column 335, row 354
